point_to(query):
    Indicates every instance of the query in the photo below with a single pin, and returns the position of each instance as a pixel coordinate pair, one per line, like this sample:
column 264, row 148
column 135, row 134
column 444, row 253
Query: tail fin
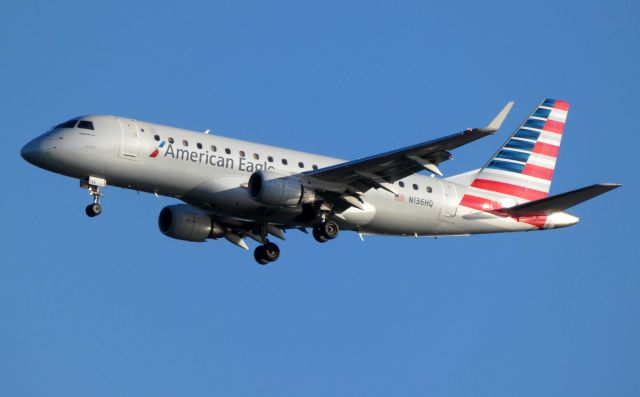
column 523, row 167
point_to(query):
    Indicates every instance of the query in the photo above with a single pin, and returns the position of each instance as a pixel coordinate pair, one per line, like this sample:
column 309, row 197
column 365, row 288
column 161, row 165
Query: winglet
column 496, row 123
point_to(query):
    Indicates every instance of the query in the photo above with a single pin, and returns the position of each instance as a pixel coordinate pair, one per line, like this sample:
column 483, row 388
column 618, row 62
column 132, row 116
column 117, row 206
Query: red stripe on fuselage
column 493, row 207
column 507, row 188
column 546, row 149
column 479, row 203
column 562, row 105
column 536, row 220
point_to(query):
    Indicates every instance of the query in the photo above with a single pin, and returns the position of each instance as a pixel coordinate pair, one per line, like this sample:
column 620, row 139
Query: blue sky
column 109, row 306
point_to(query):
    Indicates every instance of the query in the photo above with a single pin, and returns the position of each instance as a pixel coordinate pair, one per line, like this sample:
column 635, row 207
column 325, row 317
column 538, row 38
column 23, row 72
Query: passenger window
column 401, row 184
column 256, row 156
column 315, row 167
column 241, row 153
column 199, row 145
column 170, row 140
column 429, row 190
column 300, row 164
column 270, row 159
column 156, row 137
column 415, row 187
column 185, row 143
column 227, row 151
column 284, row 161
column 87, row 125
column 214, row 148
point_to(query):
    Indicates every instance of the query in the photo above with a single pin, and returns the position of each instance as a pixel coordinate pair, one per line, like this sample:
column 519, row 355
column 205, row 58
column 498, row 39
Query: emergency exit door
column 130, row 139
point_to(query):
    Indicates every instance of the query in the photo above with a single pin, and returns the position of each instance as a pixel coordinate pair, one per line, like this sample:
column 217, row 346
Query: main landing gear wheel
column 94, row 209
column 317, row 234
column 267, row 253
column 325, row 231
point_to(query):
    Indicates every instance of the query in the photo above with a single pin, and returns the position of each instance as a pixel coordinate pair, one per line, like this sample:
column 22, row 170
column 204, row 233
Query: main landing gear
column 269, row 252
column 325, row 231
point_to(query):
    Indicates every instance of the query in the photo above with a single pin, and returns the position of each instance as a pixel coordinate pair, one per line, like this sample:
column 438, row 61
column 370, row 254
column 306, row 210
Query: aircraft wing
column 381, row 170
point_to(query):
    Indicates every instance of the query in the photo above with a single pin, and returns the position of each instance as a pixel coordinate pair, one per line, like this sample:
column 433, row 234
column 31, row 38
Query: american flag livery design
column 157, row 150
column 522, row 169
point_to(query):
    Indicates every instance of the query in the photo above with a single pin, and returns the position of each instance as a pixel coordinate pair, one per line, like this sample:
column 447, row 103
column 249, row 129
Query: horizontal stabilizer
column 560, row 202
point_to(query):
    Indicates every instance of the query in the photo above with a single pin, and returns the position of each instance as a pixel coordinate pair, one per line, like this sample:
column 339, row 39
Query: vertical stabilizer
column 522, row 169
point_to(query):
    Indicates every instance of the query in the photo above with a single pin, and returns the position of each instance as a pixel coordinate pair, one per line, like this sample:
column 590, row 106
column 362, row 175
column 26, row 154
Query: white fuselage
column 211, row 172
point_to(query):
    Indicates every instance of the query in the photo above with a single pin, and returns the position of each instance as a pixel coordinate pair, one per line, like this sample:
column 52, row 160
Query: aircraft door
column 130, row 139
column 450, row 204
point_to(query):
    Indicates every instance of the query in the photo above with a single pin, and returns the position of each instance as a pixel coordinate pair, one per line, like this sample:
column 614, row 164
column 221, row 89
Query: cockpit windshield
column 85, row 124
column 67, row 124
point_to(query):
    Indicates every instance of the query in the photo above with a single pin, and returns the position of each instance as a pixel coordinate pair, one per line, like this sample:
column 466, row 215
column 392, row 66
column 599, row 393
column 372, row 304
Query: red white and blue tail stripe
column 522, row 169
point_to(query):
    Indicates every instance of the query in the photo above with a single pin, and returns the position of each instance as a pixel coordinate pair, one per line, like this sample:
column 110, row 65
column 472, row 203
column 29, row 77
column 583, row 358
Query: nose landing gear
column 93, row 185
column 94, row 209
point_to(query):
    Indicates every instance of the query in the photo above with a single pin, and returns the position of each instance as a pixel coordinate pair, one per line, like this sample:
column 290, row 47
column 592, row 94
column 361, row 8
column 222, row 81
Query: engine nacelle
column 184, row 222
column 272, row 188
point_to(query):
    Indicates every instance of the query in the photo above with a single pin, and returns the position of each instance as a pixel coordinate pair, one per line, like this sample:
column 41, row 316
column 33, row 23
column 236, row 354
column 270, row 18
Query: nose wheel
column 325, row 231
column 95, row 209
column 92, row 210
column 266, row 253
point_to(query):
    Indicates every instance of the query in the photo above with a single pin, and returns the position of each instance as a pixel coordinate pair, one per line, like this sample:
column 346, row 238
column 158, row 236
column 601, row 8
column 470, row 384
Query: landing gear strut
column 325, row 231
column 269, row 252
column 93, row 185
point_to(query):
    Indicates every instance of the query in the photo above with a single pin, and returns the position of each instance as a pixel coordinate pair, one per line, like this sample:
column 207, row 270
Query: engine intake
column 184, row 222
column 274, row 189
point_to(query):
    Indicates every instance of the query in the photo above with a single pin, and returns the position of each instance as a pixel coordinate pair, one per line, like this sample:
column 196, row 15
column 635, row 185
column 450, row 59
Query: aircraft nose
column 31, row 151
column 38, row 150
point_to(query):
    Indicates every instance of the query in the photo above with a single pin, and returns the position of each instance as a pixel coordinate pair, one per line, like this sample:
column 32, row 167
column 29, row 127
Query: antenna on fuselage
column 207, row 131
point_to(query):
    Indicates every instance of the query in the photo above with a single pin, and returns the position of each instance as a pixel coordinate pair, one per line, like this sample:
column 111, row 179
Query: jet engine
column 184, row 222
column 272, row 188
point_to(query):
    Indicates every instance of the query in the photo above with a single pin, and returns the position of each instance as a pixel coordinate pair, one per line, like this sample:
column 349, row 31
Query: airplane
column 235, row 189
